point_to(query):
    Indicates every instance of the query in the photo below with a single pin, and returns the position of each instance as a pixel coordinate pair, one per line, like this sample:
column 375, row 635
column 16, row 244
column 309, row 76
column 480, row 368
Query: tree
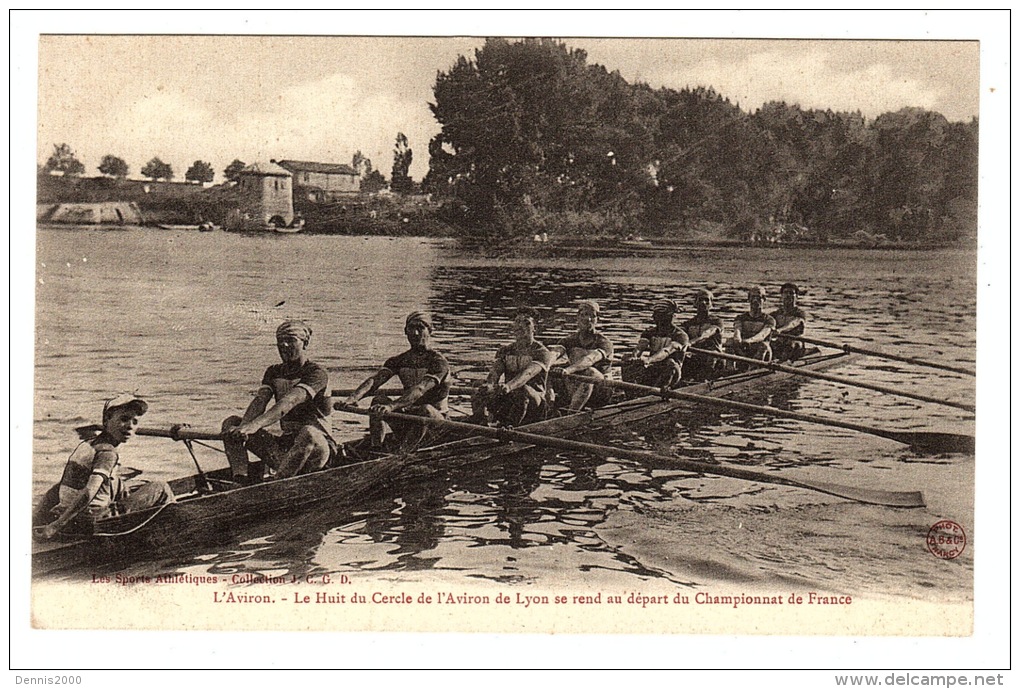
column 530, row 127
column 233, row 171
column 157, row 169
column 200, row 171
column 400, row 180
column 373, row 182
column 361, row 164
column 63, row 160
column 112, row 166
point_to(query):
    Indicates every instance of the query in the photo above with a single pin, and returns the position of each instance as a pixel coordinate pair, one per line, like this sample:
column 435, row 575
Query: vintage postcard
column 593, row 333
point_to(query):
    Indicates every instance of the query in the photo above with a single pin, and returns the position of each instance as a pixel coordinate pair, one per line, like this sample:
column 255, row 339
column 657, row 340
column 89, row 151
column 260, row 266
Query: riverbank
column 95, row 201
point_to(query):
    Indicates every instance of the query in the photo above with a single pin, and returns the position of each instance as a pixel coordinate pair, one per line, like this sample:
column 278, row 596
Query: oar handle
column 889, row 498
column 834, row 379
column 179, row 433
column 880, row 355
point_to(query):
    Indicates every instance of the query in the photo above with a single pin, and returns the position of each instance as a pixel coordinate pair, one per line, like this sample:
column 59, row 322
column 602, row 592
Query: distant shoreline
column 567, row 246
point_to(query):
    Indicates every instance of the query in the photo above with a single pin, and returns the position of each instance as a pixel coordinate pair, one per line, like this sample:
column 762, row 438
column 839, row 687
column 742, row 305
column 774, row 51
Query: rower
column 523, row 366
column 752, row 330
column 299, row 390
column 658, row 358
column 91, row 487
column 425, row 377
column 704, row 332
column 586, row 353
column 790, row 320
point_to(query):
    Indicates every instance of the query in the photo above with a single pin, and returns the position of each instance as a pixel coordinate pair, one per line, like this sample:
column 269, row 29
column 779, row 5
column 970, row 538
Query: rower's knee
column 311, row 450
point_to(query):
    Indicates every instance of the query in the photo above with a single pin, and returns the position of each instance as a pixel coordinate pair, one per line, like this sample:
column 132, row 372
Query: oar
column 179, row 433
column 880, row 355
column 397, row 392
column 186, row 435
column 835, row 379
column 874, row 497
column 923, row 441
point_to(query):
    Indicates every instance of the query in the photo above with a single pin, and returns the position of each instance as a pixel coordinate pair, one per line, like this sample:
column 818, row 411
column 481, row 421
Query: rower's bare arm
column 92, row 487
column 258, row 404
column 792, row 325
column 413, row 394
column 529, row 372
column 495, row 373
column 559, row 356
column 370, row 385
column 665, row 352
column 706, row 335
column 296, row 396
column 761, row 335
column 585, row 362
column 643, row 345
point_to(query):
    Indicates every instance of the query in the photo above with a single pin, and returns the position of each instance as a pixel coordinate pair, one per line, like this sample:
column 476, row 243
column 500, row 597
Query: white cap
column 123, row 400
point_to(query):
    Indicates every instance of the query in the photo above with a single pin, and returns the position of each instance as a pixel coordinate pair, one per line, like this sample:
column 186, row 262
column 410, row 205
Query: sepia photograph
column 667, row 330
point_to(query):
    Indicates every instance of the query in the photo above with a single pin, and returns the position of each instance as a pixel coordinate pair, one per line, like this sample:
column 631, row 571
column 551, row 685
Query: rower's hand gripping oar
column 850, row 349
column 920, row 441
column 793, row 370
column 874, row 497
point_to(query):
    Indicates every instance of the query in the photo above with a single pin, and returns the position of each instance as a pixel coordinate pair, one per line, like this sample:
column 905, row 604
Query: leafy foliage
column 529, row 130
column 200, row 171
column 373, row 182
column 112, row 166
column 233, row 171
column 361, row 164
column 157, row 169
column 400, row 179
column 63, row 160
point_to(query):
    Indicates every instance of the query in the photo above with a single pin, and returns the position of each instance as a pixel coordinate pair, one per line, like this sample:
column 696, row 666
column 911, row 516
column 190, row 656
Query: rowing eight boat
column 209, row 505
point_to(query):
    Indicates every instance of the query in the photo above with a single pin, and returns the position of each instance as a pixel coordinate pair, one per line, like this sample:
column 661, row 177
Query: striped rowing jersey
column 697, row 326
column 96, row 456
column 412, row 367
column 653, row 341
column 783, row 318
column 516, row 358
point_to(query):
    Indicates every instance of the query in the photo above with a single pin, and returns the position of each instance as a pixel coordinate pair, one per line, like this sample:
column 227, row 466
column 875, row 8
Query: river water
column 187, row 321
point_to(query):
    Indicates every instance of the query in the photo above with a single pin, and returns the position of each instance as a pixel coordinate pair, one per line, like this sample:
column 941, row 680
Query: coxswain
column 515, row 390
column 295, row 394
column 91, row 486
column 790, row 320
column 658, row 358
column 425, row 376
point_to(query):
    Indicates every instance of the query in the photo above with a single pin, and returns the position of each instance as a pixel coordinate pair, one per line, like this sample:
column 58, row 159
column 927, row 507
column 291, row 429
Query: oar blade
column 886, row 498
column 939, row 443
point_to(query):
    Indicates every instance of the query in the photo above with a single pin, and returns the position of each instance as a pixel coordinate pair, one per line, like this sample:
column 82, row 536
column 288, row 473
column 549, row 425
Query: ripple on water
column 201, row 333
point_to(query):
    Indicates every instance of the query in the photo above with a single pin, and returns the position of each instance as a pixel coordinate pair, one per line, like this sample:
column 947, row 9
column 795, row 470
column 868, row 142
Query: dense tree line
column 534, row 136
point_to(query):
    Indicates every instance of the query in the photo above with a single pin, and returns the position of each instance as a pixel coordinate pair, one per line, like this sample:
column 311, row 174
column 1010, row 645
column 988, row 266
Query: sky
column 321, row 98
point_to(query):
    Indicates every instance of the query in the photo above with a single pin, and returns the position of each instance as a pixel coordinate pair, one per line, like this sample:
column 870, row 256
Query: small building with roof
column 322, row 181
column 265, row 198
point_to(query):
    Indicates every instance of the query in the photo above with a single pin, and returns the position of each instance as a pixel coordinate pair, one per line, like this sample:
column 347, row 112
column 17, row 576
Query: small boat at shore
column 201, row 227
column 296, row 226
column 210, row 504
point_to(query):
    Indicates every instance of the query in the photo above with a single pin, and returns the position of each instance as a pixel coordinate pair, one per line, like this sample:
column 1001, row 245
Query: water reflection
column 534, row 517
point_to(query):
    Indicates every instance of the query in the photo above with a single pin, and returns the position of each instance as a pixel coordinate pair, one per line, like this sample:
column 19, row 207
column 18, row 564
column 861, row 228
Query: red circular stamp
column 946, row 539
